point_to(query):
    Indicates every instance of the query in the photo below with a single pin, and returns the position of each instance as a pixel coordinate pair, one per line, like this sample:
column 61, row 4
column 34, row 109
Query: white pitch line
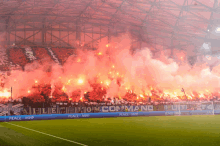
column 48, row 134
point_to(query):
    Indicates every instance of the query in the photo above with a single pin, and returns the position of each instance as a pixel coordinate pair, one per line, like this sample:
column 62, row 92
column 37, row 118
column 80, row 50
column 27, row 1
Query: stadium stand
column 41, row 53
column 62, row 53
column 17, row 56
column 3, row 58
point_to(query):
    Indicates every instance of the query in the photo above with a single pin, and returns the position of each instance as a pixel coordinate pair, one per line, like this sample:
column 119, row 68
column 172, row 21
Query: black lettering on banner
column 117, row 108
column 88, row 109
column 112, row 108
column 43, row 111
column 34, row 112
column 97, row 109
column 53, row 110
column 83, row 109
column 144, row 108
column 136, row 108
column 105, row 109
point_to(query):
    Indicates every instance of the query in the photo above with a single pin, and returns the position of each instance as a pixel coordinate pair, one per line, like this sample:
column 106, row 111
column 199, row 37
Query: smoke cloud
column 116, row 69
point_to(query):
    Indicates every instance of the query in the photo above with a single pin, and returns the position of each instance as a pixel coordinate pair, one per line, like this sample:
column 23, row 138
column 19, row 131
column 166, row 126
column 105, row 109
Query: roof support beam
column 176, row 25
column 211, row 19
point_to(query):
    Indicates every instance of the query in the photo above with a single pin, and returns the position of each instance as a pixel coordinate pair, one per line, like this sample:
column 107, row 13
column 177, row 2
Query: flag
column 11, row 92
column 182, row 90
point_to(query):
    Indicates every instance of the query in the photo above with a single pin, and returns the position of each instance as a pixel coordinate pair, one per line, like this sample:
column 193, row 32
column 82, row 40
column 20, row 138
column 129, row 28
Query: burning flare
column 113, row 71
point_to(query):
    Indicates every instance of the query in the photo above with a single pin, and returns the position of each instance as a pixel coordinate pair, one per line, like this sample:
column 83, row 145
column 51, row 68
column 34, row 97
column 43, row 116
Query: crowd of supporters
column 41, row 94
column 42, row 98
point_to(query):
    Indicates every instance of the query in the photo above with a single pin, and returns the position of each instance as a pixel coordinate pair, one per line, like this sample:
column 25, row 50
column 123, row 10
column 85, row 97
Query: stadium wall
column 20, row 110
column 107, row 109
column 101, row 115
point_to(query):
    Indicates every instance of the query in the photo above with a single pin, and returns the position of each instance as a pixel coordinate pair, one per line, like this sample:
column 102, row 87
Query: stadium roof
column 173, row 24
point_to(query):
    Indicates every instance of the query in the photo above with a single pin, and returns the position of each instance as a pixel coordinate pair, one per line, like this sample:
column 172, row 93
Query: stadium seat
column 17, row 56
column 62, row 53
column 41, row 53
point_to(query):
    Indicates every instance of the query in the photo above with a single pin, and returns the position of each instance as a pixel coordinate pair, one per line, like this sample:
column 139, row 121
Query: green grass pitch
column 122, row 131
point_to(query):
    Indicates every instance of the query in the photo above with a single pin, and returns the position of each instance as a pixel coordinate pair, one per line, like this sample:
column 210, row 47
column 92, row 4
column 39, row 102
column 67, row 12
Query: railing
column 211, row 107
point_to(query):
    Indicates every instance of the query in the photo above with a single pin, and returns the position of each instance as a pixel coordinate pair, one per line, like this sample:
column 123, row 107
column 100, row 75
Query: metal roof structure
column 173, row 24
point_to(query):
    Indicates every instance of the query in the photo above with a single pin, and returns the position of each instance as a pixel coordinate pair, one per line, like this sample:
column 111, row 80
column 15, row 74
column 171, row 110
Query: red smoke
column 112, row 71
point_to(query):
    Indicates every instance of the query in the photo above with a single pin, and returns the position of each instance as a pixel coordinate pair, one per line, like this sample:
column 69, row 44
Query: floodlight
column 217, row 30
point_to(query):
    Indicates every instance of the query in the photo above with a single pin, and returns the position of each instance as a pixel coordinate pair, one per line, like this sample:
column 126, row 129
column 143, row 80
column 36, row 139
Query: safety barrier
column 101, row 115
column 79, row 115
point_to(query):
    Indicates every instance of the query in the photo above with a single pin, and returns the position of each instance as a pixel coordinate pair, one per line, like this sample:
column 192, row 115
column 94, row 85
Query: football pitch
column 122, row 131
